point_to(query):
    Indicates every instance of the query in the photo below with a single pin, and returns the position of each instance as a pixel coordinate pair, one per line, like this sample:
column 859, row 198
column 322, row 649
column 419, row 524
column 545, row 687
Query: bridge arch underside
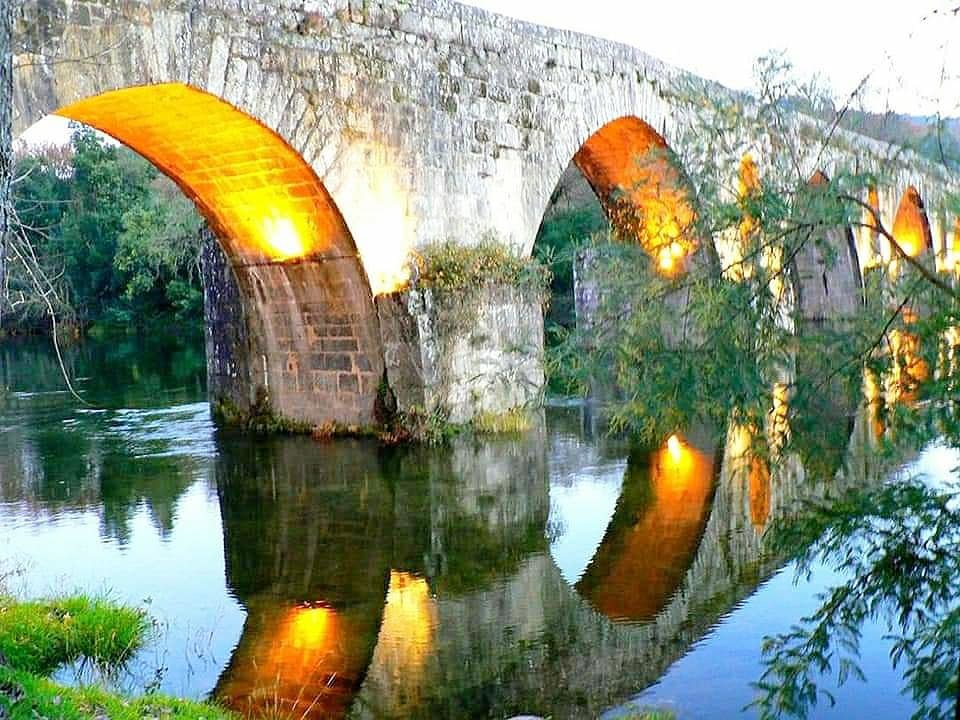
column 291, row 324
column 642, row 190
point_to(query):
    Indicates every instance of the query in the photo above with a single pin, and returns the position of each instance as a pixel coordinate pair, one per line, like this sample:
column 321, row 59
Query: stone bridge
column 324, row 141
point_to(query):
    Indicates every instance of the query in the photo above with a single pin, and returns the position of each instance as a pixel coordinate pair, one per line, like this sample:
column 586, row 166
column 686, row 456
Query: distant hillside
column 938, row 140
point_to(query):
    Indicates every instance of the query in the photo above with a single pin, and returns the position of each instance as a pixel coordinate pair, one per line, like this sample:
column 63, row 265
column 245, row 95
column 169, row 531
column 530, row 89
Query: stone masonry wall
column 304, row 335
column 464, row 353
column 424, row 120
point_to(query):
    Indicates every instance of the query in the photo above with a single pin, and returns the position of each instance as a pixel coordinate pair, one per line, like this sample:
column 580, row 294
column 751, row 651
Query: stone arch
column 257, row 194
column 826, row 270
column 291, row 319
column 642, row 189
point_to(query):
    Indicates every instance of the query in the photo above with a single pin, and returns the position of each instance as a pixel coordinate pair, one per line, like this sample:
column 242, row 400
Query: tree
column 743, row 355
column 6, row 111
column 103, row 237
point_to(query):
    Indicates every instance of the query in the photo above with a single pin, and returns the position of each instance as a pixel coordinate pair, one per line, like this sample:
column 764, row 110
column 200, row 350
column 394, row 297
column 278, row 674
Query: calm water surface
column 558, row 573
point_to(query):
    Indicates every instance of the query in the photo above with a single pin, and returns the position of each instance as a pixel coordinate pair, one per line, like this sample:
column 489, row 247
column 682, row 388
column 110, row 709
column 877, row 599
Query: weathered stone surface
column 6, row 168
column 479, row 350
column 421, row 121
column 303, row 335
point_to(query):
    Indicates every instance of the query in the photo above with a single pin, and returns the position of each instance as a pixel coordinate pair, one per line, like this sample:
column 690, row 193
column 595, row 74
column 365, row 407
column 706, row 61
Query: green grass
column 36, row 638
column 512, row 421
column 26, row 696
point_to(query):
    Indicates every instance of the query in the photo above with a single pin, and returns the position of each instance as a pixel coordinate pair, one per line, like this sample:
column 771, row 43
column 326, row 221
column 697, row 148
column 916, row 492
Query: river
column 560, row 572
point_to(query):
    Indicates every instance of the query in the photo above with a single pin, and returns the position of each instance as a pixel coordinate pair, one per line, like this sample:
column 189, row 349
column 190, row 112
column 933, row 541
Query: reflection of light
column 677, row 462
column 308, row 627
column 405, row 643
column 409, row 622
column 675, row 448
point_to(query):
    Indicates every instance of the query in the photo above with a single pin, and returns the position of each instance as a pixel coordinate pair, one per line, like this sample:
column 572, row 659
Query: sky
column 840, row 40
column 904, row 46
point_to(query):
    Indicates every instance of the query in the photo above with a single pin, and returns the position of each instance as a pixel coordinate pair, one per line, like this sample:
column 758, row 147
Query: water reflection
column 307, row 538
column 655, row 530
column 489, row 578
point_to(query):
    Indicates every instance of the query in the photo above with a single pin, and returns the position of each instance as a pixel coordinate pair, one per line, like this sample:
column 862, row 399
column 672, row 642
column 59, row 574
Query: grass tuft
column 39, row 637
column 25, row 696
column 36, row 638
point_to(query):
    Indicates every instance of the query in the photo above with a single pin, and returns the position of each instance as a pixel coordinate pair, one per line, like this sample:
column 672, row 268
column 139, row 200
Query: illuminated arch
column 911, row 228
column 641, row 188
column 255, row 191
column 292, row 316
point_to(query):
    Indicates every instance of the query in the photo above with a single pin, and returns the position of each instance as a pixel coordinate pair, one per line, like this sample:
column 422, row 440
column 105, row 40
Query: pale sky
column 840, row 40
column 904, row 45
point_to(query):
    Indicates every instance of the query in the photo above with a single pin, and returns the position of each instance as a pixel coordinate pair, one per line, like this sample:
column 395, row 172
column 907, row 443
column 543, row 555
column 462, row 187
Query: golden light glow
column 255, row 191
column 281, row 235
column 383, row 228
column 760, row 493
column 643, row 191
column 910, row 227
column 951, row 253
column 872, row 247
column 653, row 538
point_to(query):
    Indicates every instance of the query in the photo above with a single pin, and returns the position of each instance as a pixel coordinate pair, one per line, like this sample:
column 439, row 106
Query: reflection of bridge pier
column 454, row 606
column 308, row 555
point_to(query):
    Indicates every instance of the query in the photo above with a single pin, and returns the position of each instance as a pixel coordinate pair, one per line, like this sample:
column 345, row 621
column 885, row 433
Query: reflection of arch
column 642, row 189
column 256, row 192
column 654, row 533
column 308, row 556
column 911, row 228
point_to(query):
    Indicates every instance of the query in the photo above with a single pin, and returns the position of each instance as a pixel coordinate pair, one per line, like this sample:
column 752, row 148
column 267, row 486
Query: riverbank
column 37, row 638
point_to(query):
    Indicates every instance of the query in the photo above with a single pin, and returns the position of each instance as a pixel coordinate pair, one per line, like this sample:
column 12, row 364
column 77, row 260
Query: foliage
column 118, row 241
column 900, row 549
column 559, row 238
column 724, row 343
column 260, row 418
column 516, row 420
column 25, row 696
column 36, row 638
column 450, row 266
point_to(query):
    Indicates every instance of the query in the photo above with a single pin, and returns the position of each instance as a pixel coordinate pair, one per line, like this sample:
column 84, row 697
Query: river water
column 559, row 572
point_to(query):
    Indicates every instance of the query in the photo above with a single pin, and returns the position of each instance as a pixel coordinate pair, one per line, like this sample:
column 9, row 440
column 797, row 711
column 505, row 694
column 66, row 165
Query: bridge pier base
column 464, row 353
column 299, row 339
column 306, row 342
